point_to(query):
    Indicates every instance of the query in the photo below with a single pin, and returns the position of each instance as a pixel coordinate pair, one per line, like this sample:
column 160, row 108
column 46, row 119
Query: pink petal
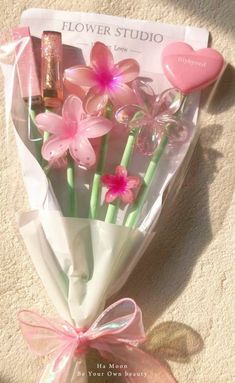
column 95, row 127
column 169, row 101
column 121, row 171
column 74, row 89
column 101, row 58
column 80, row 75
column 125, row 114
column 95, row 101
column 148, row 137
column 108, row 180
column 133, row 182
column 72, row 109
column 126, row 70
column 145, row 95
column 50, row 122
column 130, row 114
column 82, row 151
column 110, row 196
column 121, row 94
column 127, row 196
column 54, row 148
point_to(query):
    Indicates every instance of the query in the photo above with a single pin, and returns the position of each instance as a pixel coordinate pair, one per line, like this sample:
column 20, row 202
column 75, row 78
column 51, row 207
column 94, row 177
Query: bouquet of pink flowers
column 99, row 147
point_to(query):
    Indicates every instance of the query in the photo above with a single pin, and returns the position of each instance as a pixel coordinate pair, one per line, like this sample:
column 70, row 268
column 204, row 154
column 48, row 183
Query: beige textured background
column 187, row 275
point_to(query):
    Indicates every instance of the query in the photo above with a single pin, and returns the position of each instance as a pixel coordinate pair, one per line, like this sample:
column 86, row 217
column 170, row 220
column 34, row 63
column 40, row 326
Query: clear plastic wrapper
column 97, row 160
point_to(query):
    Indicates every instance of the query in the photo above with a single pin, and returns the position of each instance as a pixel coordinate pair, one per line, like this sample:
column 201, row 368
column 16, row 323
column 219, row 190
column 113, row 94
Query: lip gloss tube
column 26, row 66
column 51, row 69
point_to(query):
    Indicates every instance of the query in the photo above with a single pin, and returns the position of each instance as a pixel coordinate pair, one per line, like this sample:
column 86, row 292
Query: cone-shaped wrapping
column 81, row 262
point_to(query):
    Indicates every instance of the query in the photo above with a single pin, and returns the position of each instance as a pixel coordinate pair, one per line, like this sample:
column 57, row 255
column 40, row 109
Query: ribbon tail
column 139, row 367
column 59, row 369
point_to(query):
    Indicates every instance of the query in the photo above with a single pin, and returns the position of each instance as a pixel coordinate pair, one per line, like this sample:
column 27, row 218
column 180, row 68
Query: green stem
column 33, row 134
column 112, row 210
column 71, row 187
column 70, row 166
column 147, row 181
column 45, row 138
column 133, row 216
column 96, row 185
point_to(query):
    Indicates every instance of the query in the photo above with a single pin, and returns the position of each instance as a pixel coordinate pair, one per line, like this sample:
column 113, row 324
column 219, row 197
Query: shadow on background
column 220, row 97
column 218, row 13
column 173, row 341
column 168, row 341
column 4, row 380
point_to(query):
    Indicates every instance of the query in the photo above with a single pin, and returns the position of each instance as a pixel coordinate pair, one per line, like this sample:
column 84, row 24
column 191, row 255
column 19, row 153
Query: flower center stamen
column 105, row 79
column 71, row 129
column 120, row 183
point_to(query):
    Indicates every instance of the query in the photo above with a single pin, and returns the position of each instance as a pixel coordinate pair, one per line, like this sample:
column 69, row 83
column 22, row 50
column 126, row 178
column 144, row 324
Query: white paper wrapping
column 81, row 262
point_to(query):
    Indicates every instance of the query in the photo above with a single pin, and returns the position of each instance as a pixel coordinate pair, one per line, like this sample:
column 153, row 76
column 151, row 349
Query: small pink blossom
column 71, row 132
column 105, row 80
column 120, row 185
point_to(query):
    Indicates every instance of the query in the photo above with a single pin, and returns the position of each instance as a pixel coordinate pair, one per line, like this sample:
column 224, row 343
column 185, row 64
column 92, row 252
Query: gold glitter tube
column 51, row 69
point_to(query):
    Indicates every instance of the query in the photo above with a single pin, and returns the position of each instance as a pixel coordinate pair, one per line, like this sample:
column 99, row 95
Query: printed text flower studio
column 110, row 30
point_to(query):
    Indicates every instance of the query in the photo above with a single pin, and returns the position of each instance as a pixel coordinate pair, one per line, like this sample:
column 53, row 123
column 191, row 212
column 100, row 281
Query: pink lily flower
column 106, row 80
column 120, row 185
column 71, row 132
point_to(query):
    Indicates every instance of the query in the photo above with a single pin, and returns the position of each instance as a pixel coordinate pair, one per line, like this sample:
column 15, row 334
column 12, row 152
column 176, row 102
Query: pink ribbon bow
column 115, row 335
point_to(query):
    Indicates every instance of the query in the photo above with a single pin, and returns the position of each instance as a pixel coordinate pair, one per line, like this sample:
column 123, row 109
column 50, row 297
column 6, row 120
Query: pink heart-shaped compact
column 189, row 70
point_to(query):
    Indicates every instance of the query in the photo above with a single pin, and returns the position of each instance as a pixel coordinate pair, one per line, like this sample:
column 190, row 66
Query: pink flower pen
column 108, row 89
column 120, row 185
column 69, row 135
column 177, row 60
column 146, row 123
